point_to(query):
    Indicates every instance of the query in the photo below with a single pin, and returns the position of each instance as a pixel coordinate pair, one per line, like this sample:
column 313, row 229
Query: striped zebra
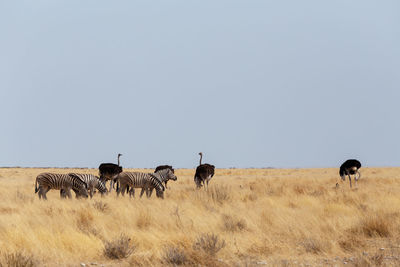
column 164, row 175
column 139, row 180
column 93, row 183
column 47, row 181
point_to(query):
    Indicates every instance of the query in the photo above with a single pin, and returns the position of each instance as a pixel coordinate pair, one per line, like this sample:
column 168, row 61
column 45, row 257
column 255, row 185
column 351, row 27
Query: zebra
column 350, row 167
column 66, row 182
column 162, row 167
column 139, row 180
column 164, row 175
column 93, row 183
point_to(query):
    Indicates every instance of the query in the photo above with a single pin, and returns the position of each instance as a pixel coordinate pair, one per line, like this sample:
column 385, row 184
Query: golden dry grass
column 281, row 217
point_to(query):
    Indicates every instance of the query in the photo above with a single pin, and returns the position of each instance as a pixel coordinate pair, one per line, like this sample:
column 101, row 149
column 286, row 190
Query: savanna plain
column 247, row 217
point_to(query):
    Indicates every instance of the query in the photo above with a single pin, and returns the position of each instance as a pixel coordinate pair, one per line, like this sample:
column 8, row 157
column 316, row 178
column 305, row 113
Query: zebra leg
column 122, row 190
column 68, row 192
column 132, row 192
column 62, row 193
column 44, row 191
column 40, row 192
column 141, row 193
column 111, row 184
column 150, row 191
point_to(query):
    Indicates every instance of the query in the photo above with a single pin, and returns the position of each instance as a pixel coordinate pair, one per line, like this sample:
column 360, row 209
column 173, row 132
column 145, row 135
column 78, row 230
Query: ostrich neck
column 201, row 156
column 118, row 160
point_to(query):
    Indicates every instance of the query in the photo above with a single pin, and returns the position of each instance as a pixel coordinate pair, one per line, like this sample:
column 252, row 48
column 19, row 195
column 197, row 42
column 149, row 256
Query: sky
column 285, row 84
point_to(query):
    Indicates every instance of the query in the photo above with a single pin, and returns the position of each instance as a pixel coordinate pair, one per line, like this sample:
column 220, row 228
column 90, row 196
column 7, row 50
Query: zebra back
column 140, row 179
column 91, row 180
column 59, row 181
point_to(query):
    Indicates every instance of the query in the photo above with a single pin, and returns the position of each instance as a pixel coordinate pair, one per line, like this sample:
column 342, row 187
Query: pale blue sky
column 248, row 83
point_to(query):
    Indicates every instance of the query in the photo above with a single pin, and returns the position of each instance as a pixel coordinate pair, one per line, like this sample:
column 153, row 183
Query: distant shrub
column 101, row 206
column 219, row 193
column 376, row 226
column 175, row 256
column 84, row 222
column 312, row 245
column 351, row 243
column 209, row 243
column 18, row 259
column 23, row 197
column 144, row 220
column 118, row 248
column 232, row 224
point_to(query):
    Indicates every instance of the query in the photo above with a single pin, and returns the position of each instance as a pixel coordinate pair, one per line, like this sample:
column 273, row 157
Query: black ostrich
column 109, row 171
column 204, row 173
column 163, row 167
column 350, row 167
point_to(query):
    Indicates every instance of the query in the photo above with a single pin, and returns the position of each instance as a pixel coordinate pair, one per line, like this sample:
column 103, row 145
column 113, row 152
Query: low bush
column 118, row 248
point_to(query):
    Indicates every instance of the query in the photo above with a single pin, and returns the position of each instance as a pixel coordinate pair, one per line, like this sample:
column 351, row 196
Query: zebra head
column 167, row 174
column 81, row 186
column 160, row 193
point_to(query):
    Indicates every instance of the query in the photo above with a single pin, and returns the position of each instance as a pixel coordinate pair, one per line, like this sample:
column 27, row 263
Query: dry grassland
column 274, row 217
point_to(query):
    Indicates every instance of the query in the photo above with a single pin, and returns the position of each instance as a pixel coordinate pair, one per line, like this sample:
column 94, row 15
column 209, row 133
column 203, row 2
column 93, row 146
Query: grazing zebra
column 164, row 175
column 57, row 181
column 163, row 167
column 350, row 167
column 109, row 171
column 92, row 182
column 204, row 173
column 139, row 180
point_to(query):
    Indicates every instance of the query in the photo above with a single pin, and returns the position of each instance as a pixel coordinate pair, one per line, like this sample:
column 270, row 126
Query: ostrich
column 204, row 173
column 109, row 171
column 350, row 167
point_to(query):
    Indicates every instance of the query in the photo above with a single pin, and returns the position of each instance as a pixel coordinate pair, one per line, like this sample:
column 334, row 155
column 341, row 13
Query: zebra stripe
column 139, row 180
column 46, row 181
column 92, row 181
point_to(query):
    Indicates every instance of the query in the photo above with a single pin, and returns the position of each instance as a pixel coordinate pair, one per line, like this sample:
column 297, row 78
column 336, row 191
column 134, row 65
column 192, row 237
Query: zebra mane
column 162, row 174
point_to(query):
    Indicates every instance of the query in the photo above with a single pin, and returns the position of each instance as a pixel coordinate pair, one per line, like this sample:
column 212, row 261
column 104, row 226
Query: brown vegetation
column 278, row 217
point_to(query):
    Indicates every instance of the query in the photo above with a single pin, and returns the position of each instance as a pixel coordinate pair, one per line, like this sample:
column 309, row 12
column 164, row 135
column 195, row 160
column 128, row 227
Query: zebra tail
column 36, row 188
column 127, row 189
column 117, row 185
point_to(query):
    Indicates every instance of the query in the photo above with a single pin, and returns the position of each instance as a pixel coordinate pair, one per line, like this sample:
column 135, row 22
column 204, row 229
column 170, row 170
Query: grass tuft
column 175, row 256
column 18, row 259
column 118, row 248
column 209, row 244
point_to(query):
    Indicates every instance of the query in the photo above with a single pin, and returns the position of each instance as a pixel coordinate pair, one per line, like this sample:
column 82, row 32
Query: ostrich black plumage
column 109, row 171
column 204, row 173
column 350, row 167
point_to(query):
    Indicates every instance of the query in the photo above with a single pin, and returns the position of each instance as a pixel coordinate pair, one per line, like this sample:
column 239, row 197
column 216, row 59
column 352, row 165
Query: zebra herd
column 84, row 185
